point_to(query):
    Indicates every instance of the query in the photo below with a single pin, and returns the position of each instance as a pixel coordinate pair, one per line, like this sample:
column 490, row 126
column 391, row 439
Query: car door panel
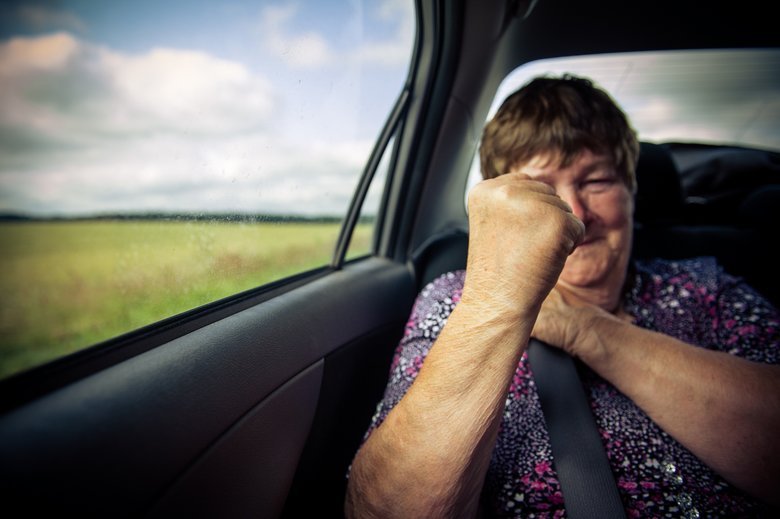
column 250, row 467
column 119, row 440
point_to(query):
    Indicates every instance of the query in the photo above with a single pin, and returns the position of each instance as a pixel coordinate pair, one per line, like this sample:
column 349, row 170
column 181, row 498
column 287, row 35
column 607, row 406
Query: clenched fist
column 520, row 234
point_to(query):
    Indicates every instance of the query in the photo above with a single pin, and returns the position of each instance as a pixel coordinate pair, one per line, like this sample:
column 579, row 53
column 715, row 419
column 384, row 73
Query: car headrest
column 659, row 197
column 760, row 209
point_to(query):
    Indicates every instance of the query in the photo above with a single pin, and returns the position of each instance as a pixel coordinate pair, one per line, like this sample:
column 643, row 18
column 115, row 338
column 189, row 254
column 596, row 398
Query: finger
column 518, row 179
column 526, row 181
column 557, row 201
column 578, row 230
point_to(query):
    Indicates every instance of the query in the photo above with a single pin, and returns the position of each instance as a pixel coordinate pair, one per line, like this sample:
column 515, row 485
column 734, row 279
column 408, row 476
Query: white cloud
column 21, row 55
column 87, row 129
column 394, row 51
column 311, row 49
column 64, row 88
column 306, row 50
column 187, row 89
column 253, row 173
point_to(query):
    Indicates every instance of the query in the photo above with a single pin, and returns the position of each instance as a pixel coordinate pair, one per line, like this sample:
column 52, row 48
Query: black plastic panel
column 249, row 470
column 113, row 443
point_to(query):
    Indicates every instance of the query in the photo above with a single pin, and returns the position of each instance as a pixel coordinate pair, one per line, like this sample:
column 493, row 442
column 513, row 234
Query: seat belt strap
column 587, row 483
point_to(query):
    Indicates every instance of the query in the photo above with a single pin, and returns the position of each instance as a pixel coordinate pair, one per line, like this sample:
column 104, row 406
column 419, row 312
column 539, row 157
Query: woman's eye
column 598, row 183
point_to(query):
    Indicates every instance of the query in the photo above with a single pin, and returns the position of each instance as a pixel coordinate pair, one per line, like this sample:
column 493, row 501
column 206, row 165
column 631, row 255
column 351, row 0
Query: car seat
column 667, row 224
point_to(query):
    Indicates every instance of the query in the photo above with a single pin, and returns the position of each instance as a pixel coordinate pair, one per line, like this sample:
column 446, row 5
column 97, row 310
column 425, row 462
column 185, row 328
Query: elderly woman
column 682, row 377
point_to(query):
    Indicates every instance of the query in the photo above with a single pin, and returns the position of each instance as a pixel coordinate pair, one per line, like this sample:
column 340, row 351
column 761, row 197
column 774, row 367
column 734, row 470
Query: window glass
column 362, row 237
column 158, row 156
column 708, row 96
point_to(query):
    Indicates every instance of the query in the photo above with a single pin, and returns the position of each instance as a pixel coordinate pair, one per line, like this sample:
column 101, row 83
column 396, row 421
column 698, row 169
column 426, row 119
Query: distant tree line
column 198, row 217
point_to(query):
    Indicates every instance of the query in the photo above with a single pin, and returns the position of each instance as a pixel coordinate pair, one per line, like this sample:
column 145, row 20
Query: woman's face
column 598, row 197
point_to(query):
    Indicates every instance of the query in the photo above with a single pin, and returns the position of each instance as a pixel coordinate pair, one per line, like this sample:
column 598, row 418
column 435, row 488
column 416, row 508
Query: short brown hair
column 562, row 116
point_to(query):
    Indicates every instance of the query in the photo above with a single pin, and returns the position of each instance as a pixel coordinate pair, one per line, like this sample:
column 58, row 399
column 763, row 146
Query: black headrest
column 761, row 208
column 659, row 197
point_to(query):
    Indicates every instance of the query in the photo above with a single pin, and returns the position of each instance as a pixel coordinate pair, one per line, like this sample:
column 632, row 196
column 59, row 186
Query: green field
column 68, row 285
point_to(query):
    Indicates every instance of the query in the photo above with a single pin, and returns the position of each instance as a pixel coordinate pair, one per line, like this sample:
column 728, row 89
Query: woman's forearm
column 429, row 457
column 724, row 409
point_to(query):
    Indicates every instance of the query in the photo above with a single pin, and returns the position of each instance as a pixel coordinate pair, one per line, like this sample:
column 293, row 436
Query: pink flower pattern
column 693, row 300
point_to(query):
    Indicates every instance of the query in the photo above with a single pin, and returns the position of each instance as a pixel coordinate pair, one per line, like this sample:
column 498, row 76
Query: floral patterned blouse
column 692, row 300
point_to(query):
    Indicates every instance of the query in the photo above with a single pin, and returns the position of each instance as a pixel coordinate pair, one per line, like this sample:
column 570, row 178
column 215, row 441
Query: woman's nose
column 577, row 203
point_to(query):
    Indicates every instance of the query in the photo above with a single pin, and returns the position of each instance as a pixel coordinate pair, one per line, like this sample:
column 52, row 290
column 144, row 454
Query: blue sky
column 230, row 29
column 199, row 106
column 273, row 106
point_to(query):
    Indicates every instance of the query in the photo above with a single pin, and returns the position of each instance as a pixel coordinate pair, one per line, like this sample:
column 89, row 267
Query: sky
column 248, row 106
column 194, row 106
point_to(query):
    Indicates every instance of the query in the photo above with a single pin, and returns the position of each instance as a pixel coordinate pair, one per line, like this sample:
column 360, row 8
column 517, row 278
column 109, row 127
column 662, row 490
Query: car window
column 159, row 156
column 361, row 240
column 727, row 97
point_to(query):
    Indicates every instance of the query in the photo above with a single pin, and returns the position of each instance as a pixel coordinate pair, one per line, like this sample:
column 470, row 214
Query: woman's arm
column 724, row 409
column 430, row 455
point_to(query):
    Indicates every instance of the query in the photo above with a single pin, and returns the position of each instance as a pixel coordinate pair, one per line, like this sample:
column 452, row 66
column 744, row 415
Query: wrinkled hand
column 561, row 322
column 520, row 234
column 569, row 323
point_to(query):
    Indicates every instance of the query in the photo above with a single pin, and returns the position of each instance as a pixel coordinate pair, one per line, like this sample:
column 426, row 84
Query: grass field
column 68, row 285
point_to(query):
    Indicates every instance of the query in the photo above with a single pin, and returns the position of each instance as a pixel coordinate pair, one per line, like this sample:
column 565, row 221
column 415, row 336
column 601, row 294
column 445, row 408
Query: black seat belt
column 587, row 483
